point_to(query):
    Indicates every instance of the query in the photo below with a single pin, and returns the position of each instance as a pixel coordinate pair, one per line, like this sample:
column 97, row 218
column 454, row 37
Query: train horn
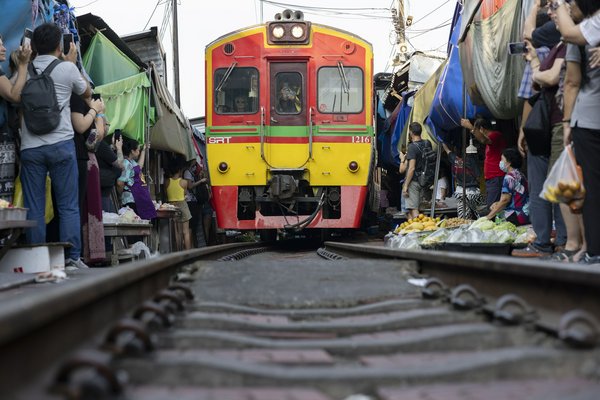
column 289, row 15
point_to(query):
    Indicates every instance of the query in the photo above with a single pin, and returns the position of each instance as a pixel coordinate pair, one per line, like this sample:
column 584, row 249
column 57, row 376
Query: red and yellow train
column 289, row 132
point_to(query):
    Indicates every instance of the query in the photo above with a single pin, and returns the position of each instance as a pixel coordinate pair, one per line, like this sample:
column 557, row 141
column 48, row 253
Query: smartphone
column 67, row 40
column 517, row 48
column 27, row 35
column 96, row 96
column 117, row 134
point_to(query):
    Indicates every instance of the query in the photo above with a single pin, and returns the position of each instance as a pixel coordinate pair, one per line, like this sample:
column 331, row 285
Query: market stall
column 458, row 234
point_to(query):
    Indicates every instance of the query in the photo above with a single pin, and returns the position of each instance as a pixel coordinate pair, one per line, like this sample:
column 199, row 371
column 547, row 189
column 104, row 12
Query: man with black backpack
column 47, row 138
column 419, row 165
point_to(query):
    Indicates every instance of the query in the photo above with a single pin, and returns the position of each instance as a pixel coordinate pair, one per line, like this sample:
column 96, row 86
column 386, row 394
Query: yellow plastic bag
column 19, row 202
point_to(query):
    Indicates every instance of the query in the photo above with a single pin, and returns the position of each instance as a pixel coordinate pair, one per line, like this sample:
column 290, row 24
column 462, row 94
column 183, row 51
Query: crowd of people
column 70, row 145
column 562, row 41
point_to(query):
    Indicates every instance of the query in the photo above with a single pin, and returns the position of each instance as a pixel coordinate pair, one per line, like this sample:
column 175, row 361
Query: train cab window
column 289, row 92
column 236, row 90
column 340, row 90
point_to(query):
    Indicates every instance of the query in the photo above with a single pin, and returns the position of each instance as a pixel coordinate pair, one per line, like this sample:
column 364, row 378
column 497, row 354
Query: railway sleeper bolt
column 434, row 288
column 465, row 297
column 129, row 337
column 88, row 374
column 511, row 309
column 184, row 290
column 580, row 329
column 150, row 311
column 170, row 299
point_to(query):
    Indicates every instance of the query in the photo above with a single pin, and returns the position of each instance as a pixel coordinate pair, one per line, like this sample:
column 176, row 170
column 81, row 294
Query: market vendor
column 513, row 205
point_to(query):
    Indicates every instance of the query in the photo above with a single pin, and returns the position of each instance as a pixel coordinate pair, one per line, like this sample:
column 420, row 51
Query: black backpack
column 41, row 111
column 428, row 158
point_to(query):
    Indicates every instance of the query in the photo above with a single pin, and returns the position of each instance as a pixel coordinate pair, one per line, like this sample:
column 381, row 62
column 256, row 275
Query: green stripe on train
column 292, row 131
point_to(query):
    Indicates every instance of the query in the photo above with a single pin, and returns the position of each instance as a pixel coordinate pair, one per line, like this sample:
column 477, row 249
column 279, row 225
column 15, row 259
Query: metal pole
column 176, row 54
column 261, row 12
column 464, row 150
column 438, row 161
column 401, row 29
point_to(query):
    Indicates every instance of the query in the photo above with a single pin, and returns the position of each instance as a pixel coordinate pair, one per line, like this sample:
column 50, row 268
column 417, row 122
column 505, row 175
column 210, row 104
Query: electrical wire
column 334, row 12
column 88, row 4
column 431, row 12
column 151, row 15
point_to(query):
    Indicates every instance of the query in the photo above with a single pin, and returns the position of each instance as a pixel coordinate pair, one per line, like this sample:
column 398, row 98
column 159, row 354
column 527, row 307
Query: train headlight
column 353, row 166
column 297, row 31
column 278, row 31
column 223, row 167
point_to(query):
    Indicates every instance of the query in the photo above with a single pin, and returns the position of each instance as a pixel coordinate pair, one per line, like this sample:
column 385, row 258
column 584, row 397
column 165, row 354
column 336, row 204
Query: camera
column 517, row 48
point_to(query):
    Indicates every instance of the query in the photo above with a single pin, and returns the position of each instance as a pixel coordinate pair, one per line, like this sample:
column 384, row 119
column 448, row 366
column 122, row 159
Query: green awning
column 126, row 103
column 105, row 63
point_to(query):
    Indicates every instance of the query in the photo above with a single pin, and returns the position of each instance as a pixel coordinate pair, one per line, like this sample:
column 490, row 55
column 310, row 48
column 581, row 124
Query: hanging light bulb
column 471, row 149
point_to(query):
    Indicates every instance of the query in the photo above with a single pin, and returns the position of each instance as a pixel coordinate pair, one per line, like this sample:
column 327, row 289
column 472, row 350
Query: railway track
column 346, row 321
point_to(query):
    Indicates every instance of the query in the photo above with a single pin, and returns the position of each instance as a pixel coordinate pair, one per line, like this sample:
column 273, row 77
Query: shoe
column 589, row 260
column 72, row 265
column 564, row 255
column 531, row 251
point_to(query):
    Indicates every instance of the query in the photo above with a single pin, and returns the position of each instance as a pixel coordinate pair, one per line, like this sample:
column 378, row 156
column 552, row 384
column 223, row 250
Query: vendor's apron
column 141, row 195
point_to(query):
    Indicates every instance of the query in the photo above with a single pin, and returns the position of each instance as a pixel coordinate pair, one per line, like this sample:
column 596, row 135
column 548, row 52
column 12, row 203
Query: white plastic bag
column 564, row 183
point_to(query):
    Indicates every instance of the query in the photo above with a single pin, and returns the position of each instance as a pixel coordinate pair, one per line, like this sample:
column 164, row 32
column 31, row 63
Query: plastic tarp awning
column 127, row 105
column 401, row 122
column 172, row 131
column 447, row 106
column 18, row 15
column 493, row 69
column 421, row 107
column 105, row 63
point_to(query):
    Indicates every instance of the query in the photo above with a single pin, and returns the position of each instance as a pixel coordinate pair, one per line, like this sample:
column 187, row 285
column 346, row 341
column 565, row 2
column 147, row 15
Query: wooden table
column 169, row 230
column 115, row 230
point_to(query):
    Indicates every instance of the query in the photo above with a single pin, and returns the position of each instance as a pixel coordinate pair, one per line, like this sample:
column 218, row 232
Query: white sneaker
column 72, row 265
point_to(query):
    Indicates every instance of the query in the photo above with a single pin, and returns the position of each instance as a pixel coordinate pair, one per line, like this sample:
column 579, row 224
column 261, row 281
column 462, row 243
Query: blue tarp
column 401, row 121
column 18, row 15
column 447, row 107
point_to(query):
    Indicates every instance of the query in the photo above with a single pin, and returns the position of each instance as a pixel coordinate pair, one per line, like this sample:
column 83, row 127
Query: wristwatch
column 556, row 3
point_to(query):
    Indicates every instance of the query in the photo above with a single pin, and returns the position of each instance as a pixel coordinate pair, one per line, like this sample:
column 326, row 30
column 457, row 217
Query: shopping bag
column 537, row 127
column 564, row 183
column 19, row 202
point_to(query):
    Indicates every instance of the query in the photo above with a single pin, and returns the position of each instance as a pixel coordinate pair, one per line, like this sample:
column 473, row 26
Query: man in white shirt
column 54, row 152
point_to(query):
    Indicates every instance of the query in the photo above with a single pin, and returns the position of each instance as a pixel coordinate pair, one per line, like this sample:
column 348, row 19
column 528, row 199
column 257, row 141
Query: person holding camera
column 110, row 161
column 53, row 151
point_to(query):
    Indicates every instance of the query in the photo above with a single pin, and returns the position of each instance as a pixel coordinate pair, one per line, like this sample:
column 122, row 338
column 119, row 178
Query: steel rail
column 543, row 284
column 41, row 327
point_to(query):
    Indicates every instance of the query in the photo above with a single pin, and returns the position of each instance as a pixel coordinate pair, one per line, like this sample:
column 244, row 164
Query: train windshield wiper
column 345, row 83
column 226, row 76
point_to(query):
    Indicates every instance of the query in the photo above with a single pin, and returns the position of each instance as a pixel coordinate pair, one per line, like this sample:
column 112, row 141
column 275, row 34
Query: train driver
column 289, row 99
column 240, row 104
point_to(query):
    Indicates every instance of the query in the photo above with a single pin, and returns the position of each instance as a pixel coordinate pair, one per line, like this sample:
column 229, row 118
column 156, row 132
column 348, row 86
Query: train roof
column 257, row 26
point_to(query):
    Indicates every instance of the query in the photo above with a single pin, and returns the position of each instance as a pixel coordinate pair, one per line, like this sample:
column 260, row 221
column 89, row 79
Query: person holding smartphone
column 10, row 92
column 54, row 152
column 89, row 124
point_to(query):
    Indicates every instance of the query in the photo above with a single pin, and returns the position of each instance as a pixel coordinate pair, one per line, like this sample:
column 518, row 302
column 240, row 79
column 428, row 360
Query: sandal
column 564, row 255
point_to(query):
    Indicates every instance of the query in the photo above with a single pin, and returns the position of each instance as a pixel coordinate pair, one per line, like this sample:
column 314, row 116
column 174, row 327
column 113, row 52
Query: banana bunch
column 564, row 192
column 418, row 224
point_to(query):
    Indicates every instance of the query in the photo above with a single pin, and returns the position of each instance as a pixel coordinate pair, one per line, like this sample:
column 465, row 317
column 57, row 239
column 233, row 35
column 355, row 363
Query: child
column 135, row 191
column 176, row 187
